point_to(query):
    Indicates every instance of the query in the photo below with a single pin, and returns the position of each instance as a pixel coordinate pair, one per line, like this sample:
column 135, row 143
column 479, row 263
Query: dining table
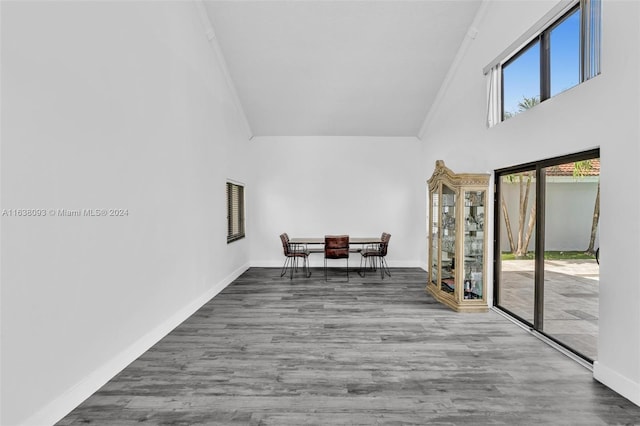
column 317, row 241
column 320, row 240
column 303, row 243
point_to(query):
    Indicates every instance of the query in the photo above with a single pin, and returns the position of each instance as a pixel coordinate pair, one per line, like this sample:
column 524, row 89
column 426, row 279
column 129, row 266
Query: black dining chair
column 336, row 247
column 292, row 253
column 374, row 252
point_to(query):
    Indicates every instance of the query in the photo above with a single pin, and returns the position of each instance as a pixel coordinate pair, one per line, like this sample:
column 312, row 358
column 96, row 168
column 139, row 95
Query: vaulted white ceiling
column 339, row 68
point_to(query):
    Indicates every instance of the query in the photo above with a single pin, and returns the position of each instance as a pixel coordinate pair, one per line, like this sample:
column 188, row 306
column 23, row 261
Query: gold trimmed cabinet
column 457, row 239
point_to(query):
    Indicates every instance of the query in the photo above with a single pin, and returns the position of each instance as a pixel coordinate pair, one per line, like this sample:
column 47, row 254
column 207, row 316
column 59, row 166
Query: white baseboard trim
column 70, row 399
column 617, row 382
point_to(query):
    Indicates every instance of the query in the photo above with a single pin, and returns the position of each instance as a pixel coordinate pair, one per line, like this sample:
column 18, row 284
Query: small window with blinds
column 235, row 212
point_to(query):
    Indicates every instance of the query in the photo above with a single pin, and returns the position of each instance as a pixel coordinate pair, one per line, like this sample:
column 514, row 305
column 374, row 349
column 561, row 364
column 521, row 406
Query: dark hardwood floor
column 269, row 350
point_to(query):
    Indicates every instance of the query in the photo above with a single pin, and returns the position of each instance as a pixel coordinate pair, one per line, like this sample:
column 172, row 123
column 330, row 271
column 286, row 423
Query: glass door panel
column 448, row 226
column 473, row 243
column 517, row 215
column 571, row 274
column 435, row 234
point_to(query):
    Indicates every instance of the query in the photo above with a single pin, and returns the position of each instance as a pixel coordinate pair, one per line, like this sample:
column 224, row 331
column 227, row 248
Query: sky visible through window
column 521, row 77
column 565, row 54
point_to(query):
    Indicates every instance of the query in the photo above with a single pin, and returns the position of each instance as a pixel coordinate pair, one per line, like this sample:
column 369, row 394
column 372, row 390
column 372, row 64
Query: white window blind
column 591, row 17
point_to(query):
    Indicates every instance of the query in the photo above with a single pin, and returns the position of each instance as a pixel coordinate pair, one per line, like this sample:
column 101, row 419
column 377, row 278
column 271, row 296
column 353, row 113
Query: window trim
column 512, row 59
column 239, row 208
column 537, row 167
column 544, row 38
column 590, row 52
column 534, row 32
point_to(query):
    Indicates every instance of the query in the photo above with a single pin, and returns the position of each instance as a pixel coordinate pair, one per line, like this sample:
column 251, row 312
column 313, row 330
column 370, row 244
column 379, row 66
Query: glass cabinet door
column 448, row 246
column 474, row 216
column 435, row 234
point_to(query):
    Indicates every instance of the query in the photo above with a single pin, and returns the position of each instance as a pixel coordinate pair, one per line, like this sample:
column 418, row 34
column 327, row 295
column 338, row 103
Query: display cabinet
column 457, row 239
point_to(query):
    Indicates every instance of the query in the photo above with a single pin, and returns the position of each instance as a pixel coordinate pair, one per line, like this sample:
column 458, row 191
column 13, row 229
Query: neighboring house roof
column 568, row 169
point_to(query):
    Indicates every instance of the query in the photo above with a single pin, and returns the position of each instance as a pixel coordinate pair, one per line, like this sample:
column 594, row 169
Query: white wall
column 108, row 105
column 602, row 112
column 313, row 186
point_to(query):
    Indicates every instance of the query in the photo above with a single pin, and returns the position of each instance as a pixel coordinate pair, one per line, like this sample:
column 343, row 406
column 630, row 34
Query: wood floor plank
column 273, row 351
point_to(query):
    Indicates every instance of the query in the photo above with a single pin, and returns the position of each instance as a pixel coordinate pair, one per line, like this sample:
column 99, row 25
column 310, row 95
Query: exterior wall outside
column 107, row 105
column 568, row 219
column 603, row 112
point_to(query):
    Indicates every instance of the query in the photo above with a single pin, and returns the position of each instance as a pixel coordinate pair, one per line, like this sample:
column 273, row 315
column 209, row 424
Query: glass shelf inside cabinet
column 448, row 243
column 474, row 215
column 434, row 238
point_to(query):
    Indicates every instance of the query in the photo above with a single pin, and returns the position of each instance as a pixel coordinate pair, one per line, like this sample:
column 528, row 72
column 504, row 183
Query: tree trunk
column 594, row 223
column 505, row 212
column 532, row 222
column 521, row 213
column 521, row 250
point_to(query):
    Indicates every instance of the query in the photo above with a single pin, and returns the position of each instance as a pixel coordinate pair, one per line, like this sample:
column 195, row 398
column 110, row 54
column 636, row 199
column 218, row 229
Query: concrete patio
column 571, row 299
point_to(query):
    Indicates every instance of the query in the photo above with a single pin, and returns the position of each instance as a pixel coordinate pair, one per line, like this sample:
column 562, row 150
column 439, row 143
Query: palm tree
column 524, row 235
column 580, row 169
column 523, row 105
column 594, row 223
column 519, row 246
column 527, row 103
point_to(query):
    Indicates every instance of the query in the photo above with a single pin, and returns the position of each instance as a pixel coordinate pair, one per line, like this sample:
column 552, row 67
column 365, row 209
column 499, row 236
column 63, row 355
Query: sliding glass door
column 546, row 227
column 517, row 228
column 571, row 274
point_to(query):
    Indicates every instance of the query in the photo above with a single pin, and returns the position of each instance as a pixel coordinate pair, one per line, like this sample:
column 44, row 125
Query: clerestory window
column 559, row 52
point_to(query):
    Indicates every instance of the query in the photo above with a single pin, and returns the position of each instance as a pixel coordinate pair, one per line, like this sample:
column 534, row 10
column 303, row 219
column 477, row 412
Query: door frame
column 538, row 167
